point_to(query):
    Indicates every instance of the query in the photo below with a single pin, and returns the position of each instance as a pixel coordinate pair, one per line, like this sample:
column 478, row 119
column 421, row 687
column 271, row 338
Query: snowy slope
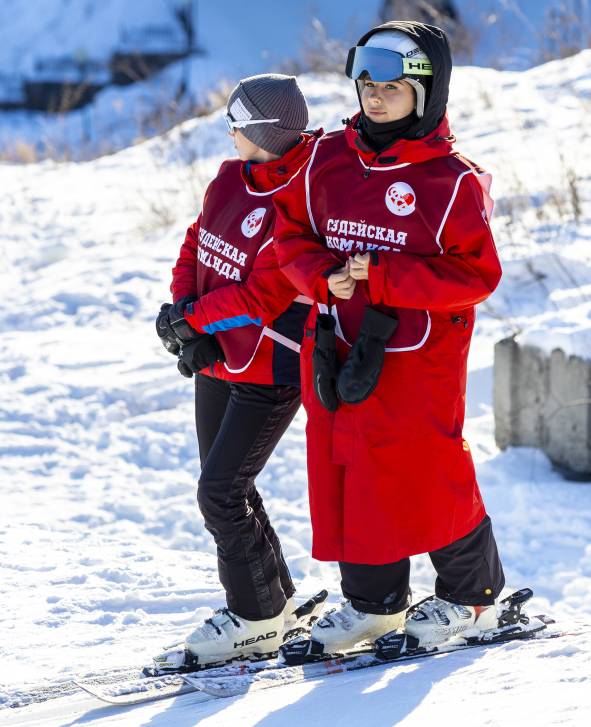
column 506, row 33
column 103, row 555
column 238, row 39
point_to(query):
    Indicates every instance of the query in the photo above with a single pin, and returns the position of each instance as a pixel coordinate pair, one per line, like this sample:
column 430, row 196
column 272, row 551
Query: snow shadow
column 380, row 696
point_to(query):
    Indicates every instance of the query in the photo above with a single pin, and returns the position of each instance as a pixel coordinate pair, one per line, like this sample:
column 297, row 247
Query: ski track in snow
column 103, row 555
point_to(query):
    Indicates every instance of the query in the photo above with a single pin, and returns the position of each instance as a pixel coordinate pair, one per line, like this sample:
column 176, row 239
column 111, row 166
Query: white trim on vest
column 303, row 299
column 323, row 308
column 264, row 245
column 383, row 169
column 308, row 204
column 272, row 191
column 280, row 338
column 485, row 180
column 250, row 360
column 266, row 194
column 270, row 333
column 448, row 210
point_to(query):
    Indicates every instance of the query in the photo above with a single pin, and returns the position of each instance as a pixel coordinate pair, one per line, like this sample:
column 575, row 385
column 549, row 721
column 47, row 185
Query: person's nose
column 374, row 95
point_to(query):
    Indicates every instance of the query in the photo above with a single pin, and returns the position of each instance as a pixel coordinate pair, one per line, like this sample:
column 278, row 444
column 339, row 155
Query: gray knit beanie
column 270, row 96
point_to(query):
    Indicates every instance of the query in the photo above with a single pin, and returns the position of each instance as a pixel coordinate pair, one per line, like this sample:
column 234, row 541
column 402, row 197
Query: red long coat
column 227, row 260
column 392, row 476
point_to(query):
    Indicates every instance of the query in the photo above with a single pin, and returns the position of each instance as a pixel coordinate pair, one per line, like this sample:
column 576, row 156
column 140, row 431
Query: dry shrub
column 564, row 32
column 442, row 13
column 23, row 152
column 319, row 54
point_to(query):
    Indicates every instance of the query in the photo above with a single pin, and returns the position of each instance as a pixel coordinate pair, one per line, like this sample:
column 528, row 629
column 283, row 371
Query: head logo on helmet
column 391, row 55
column 401, row 199
column 251, row 224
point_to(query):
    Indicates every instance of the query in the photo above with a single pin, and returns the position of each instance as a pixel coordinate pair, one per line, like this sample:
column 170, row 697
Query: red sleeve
column 302, row 255
column 465, row 274
column 184, row 273
column 259, row 299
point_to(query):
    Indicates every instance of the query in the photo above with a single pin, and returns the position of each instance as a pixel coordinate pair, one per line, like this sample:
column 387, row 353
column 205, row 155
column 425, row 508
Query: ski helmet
column 391, row 55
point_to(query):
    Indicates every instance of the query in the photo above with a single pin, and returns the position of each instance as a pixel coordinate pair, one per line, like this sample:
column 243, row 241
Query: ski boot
column 511, row 623
column 299, row 619
column 434, row 620
column 339, row 631
column 218, row 640
column 225, row 637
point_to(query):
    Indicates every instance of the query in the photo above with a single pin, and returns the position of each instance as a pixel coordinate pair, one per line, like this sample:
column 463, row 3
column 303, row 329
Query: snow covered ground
column 103, row 555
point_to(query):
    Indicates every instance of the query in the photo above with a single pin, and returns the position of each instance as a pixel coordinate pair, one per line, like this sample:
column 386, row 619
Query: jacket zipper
column 460, row 319
column 366, row 173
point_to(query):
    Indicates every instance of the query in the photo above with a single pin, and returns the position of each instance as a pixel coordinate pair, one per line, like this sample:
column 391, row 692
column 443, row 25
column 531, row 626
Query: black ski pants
column 469, row 572
column 238, row 427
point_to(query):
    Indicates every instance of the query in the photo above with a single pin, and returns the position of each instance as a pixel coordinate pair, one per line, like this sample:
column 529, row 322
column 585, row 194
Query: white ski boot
column 226, row 636
column 299, row 619
column 340, row 629
column 289, row 615
column 434, row 620
column 220, row 639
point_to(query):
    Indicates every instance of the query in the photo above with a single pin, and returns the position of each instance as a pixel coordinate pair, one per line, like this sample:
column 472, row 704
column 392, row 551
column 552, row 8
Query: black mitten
column 199, row 353
column 324, row 362
column 361, row 371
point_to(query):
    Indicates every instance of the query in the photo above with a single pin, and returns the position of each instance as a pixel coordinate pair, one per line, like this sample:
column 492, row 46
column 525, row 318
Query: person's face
column 247, row 151
column 245, row 148
column 387, row 101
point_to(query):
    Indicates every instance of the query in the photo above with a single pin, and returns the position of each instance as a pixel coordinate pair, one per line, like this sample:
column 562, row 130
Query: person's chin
column 378, row 116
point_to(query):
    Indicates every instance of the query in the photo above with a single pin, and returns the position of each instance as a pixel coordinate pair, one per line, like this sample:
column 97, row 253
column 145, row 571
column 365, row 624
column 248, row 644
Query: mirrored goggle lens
column 383, row 65
column 229, row 122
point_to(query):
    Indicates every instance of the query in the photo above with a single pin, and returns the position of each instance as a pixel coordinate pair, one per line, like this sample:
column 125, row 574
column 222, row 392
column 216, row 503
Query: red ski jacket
column 392, row 476
column 228, row 261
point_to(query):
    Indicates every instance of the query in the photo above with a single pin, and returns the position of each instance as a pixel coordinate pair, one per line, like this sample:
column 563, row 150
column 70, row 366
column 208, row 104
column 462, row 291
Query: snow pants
column 238, row 427
column 469, row 572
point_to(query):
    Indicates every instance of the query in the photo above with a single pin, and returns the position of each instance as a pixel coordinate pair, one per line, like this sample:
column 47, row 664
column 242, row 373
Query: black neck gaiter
column 380, row 136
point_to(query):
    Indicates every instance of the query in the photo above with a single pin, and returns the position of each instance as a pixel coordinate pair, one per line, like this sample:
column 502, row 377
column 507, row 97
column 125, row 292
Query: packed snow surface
column 104, row 558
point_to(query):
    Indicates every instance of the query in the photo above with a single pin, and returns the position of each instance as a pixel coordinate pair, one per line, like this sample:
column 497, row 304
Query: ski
column 282, row 674
column 140, row 691
column 163, row 679
column 177, row 659
column 241, row 676
column 303, row 659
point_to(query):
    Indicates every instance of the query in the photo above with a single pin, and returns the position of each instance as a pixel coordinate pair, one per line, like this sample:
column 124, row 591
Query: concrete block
column 544, row 401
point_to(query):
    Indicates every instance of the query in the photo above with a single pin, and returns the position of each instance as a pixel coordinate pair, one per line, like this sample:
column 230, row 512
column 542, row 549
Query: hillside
column 103, row 556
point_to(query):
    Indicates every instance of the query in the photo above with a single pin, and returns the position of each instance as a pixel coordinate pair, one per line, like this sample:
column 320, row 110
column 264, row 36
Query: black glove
column 199, row 353
column 324, row 362
column 164, row 329
column 361, row 370
column 179, row 324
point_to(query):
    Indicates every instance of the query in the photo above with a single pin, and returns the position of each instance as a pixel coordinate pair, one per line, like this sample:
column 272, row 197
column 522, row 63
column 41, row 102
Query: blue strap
column 227, row 324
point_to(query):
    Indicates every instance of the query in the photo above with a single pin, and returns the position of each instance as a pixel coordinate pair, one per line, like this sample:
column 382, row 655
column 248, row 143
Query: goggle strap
column 241, row 123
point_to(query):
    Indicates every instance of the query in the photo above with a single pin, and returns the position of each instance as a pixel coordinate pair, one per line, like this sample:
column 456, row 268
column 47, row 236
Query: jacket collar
column 403, row 151
column 267, row 176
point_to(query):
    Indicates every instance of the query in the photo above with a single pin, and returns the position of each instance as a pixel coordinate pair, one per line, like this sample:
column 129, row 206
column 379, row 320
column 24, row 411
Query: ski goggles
column 383, row 65
column 240, row 124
